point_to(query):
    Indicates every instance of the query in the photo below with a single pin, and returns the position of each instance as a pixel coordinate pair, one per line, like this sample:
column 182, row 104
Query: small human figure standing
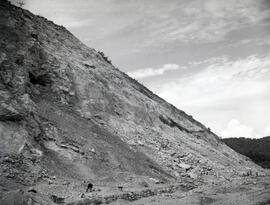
column 89, row 187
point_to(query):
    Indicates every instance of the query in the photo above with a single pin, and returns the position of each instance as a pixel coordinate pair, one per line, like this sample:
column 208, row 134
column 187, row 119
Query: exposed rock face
column 66, row 113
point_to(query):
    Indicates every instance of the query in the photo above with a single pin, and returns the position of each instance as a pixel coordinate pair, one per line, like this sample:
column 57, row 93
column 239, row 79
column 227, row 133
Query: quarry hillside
column 68, row 116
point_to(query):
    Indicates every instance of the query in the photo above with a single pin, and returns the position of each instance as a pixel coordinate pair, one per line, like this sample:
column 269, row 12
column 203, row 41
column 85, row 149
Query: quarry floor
column 237, row 191
column 243, row 191
column 247, row 191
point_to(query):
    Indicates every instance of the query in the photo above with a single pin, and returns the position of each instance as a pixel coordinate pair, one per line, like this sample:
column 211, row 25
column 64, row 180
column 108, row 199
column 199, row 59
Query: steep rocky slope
column 67, row 115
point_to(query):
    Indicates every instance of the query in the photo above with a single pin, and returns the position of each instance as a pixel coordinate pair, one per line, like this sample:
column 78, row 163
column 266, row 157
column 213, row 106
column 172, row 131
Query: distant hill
column 256, row 149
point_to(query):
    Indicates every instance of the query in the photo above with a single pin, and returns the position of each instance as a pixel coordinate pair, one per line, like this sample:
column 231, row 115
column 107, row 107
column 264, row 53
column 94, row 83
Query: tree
column 20, row 3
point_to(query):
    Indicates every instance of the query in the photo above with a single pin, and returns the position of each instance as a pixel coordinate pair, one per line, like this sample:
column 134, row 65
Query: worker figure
column 89, row 187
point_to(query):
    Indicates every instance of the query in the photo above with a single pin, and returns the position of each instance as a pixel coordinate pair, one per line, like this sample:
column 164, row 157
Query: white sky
column 209, row 58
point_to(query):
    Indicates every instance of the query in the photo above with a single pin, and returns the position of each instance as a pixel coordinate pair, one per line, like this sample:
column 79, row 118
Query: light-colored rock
column 184, row 166
column 193, row 176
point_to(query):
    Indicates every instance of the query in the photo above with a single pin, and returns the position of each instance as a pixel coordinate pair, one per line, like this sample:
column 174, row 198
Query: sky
column 209, row 58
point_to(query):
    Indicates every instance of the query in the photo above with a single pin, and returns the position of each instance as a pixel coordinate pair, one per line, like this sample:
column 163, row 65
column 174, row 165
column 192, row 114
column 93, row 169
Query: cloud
column 154, row 22
column 236, row 129
column 267, row 131
column 219, row 89
column 71, row 23
column 150, row 72
column 206, row 21
column 221, row 80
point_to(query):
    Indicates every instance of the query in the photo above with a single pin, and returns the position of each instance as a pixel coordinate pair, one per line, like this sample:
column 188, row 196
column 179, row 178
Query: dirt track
column 247, row 191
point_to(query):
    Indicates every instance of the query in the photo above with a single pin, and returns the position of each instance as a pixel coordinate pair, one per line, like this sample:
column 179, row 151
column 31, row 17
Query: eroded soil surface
column 241, row 192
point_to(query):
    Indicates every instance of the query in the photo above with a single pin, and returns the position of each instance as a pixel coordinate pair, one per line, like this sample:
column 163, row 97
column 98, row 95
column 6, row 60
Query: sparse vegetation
column 105, row 57
column 20, row 3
